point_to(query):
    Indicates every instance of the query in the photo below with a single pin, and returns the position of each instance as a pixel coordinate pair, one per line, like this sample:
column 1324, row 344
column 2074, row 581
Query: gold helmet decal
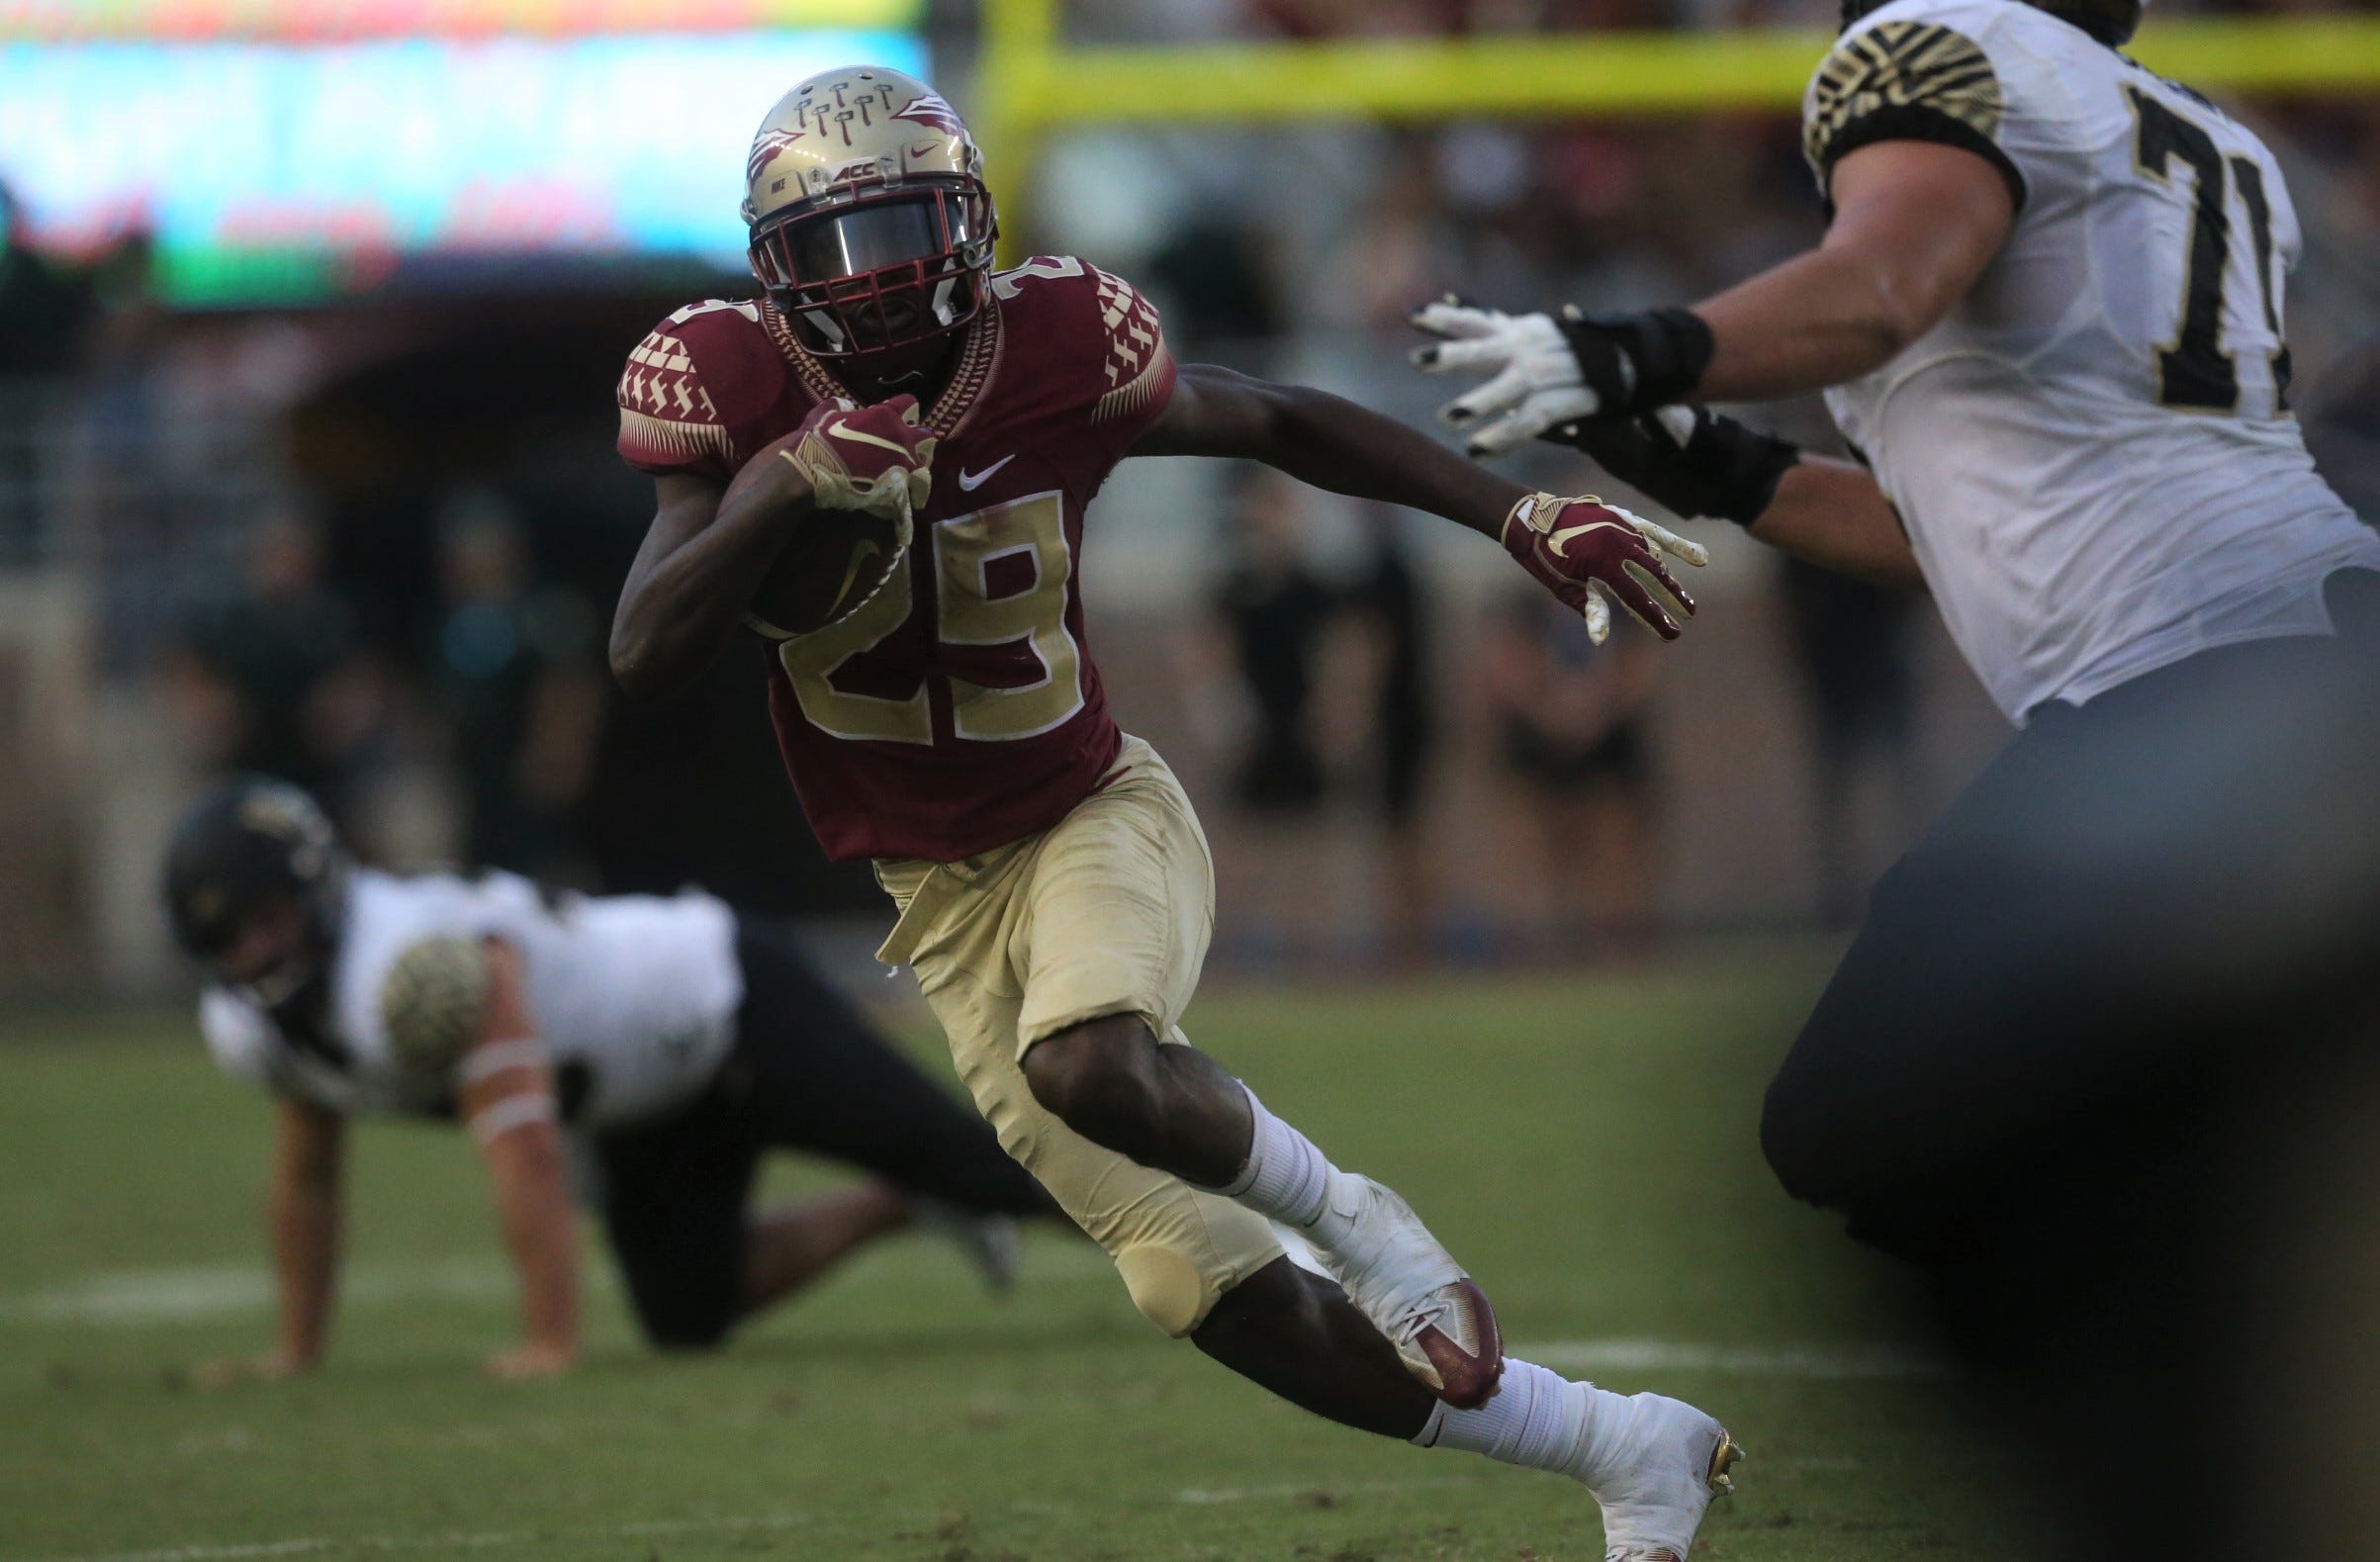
column 851, row 126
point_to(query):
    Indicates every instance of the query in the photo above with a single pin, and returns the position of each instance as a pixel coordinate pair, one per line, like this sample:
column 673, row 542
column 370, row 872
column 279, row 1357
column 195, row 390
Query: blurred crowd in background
column 373, row 547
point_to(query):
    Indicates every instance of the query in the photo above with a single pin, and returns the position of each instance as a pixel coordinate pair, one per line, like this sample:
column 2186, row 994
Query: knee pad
column 1166, row 1286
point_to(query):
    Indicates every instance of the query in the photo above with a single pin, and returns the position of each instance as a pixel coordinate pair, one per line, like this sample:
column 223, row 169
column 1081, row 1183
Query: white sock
column 1539, row 1420
column 1285, row 1179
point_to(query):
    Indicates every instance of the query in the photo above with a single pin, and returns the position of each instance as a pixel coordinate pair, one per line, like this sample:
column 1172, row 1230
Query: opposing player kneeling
column 669, row 1041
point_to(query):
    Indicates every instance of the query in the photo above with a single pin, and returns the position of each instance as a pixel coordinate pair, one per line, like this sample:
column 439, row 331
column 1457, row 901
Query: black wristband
column 1725, row 470
column 1637, row 362
column 1740, row 466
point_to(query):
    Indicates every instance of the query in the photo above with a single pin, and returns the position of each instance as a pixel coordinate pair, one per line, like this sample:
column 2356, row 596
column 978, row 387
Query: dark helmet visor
column 877, row 234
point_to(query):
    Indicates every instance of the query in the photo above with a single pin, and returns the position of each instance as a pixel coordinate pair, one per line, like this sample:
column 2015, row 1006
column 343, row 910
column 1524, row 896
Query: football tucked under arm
column 867, row 471
column 765, row 549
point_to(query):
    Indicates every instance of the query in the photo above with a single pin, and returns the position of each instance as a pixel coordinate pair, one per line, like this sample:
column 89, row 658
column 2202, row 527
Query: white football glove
column 1535, row 383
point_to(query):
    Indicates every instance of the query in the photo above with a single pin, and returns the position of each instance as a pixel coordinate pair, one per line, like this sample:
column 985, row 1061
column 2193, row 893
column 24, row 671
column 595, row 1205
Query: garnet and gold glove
column 867, row 458
column 1584, row 551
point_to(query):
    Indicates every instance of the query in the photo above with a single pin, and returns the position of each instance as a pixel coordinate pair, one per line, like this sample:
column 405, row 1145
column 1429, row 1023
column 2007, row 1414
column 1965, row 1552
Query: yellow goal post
column 1569, row 75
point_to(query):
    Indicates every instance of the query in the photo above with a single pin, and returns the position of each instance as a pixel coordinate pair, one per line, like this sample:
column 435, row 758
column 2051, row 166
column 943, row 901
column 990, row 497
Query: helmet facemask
column 878, row 267
column 258, row 848
column 301, row 965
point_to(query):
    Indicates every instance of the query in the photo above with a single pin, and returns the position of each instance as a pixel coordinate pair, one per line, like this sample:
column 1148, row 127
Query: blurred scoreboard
column 281, row 149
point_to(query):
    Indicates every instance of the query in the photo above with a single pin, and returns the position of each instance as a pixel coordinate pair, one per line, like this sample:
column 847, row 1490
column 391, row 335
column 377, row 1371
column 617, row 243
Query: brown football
column 833, row 561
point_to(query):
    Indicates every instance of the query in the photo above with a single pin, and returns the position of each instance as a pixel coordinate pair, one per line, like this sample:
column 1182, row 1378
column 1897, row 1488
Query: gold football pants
column 1106, row 912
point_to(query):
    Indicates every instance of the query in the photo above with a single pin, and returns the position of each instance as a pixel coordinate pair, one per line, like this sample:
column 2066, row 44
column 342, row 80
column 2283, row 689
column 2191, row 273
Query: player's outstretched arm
column 1327, row 441
column 505, row 1092
column 1578, row 549
column 1915, row 225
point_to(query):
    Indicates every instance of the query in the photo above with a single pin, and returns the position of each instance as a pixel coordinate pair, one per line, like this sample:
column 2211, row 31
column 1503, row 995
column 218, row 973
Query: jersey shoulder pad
column 1100, row 324
column 433, row 1002
column 691, row 381
column 1912, row 72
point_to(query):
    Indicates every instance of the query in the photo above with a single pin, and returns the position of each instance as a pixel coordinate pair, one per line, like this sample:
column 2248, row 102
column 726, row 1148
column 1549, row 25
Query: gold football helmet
column 870, row 224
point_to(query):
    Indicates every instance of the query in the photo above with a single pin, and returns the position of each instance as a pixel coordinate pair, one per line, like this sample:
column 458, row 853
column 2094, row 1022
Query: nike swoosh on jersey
column 968, row 481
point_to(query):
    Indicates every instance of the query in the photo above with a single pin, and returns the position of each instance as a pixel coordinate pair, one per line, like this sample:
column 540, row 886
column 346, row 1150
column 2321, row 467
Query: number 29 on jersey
column 1001, row 578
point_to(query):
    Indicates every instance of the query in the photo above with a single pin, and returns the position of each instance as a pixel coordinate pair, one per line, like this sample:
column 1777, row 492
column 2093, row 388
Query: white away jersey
column 633, row 996
column 2093, row 454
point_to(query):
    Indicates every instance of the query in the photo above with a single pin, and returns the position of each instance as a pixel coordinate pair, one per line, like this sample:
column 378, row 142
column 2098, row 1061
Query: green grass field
column 1587, row 1146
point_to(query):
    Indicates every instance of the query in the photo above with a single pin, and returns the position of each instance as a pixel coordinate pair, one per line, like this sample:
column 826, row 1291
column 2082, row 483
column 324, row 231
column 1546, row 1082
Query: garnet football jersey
column 959, row 709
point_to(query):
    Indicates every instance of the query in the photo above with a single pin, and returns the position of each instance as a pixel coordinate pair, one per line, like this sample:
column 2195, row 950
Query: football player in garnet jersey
column 1053, row 889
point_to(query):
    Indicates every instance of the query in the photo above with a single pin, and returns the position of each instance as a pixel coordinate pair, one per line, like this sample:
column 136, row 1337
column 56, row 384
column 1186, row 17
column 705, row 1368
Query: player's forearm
column 305, row 1216
column 532, row 1193
column 306, row 1220
column 1333, row 443
column 1819, row 319
column 1833, row 515
column 691, row 580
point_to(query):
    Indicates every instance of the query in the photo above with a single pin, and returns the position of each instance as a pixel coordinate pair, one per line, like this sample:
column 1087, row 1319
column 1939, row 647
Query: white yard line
column 126, row 1297
column 451, row 1540
column 134, row 1298
column 206, row 1294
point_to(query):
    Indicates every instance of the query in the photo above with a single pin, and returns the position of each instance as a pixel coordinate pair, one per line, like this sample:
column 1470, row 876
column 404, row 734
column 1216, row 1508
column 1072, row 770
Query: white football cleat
column 1655, row 1485
column 1399, row 1276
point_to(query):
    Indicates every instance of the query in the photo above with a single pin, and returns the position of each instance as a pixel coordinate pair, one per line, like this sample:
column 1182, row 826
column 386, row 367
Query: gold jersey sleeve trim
column 658, row 436
column 434, row 1002
column 1128, row 399
column 1908, row 81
